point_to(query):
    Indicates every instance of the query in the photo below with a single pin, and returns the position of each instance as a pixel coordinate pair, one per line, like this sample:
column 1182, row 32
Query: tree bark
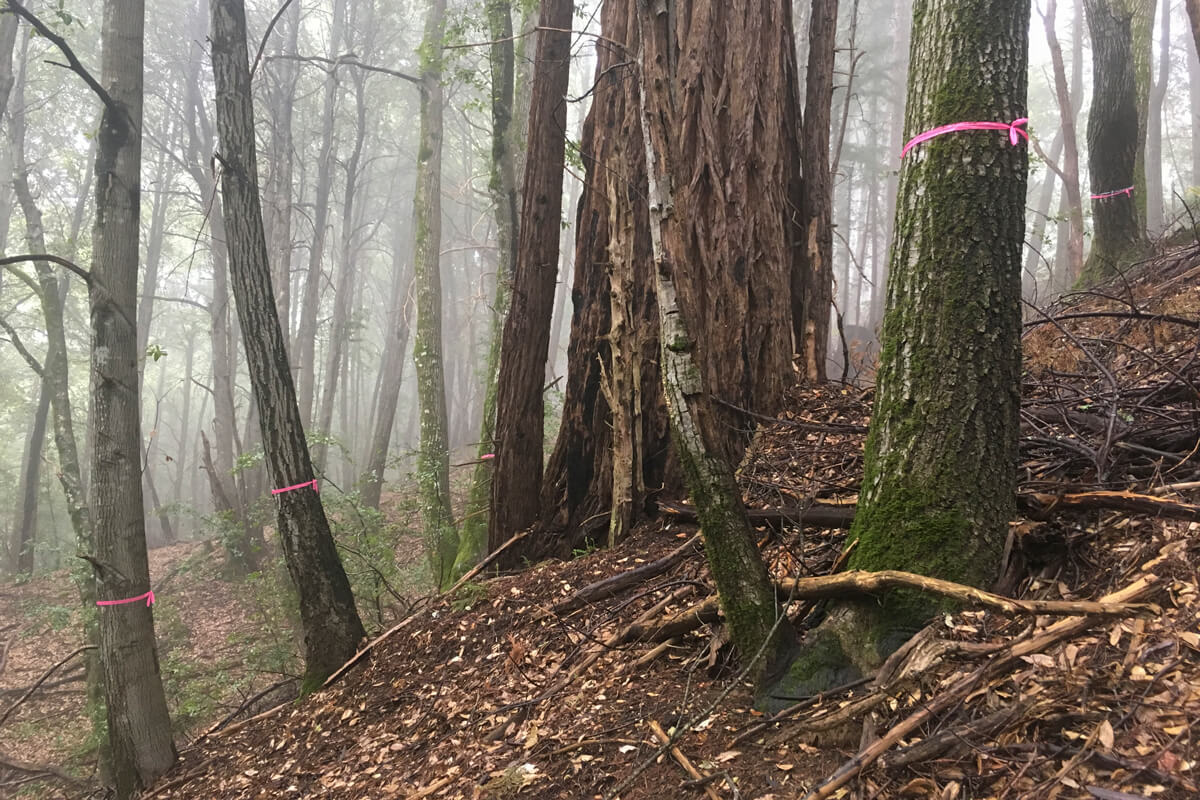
column 433, row 458
column 1112, row 136
column 940, row 462
column 502, row 186
column 139, row 727
column 25, row 532
column 814, row 271
column 332, row 629
column 1141, row 49
column 517, row 477
column 283, row 99
column 741, row 576
column 1193, row 12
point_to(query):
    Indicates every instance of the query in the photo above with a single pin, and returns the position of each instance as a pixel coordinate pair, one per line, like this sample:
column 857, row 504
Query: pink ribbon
column 148, row 595
column 1014, row 130
column 486, row 456
column 312, row 483
column 1127, row 190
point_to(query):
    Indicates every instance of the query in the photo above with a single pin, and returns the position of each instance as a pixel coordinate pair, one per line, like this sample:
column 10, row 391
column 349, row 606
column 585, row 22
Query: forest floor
column 537, row 685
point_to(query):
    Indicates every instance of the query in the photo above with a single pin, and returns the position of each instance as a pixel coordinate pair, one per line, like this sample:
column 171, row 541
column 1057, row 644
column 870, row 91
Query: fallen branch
column 1039, row 503
column 683, row 760
column 45, row 676
column 953, row 694
column 616, row 584
column 42, row 769
column 482, row 565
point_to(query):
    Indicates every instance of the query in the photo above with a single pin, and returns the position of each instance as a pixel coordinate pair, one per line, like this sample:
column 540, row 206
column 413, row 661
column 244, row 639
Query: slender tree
column 332, row 629
column 1068, row 173
column 941, row 454
column 519, row 408
column 1155, row 217
column 812, row 278
column 502, row 186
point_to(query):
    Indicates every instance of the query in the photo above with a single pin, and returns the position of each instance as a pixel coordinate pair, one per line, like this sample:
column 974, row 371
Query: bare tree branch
column 73, row 62
column 17, row 343
column 45, row 676
column 267, row 35
column 349, row 60
column 62, row 262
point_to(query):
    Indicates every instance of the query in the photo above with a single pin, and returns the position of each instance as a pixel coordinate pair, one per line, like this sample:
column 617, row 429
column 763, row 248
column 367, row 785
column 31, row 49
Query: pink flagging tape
column 486, row 456
column 148, row 595
column 1014, row 130
column 1127, row 190
column 312, row 483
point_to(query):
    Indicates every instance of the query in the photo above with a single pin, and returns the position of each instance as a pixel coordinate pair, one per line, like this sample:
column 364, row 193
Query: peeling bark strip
column 332, row 628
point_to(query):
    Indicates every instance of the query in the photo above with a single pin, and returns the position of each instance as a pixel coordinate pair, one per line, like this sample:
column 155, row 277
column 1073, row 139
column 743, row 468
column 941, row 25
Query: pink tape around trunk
column 148, row 595
column 1014, row 131
column 1127, row 190
column 312, row 483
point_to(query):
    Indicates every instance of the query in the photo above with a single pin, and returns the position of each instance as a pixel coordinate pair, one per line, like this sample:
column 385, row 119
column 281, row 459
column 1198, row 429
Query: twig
column 482, row 565
column 615, row 584
column 262, row 45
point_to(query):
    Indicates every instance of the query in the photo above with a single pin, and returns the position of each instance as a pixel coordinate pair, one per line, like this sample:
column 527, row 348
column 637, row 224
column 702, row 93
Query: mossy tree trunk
column 473, row 539
column 433, row 456
column 517, row 477
column 719, row 111
column 940, row 462
column 1142, row 50
column 1112, row 136
column 332, row 628
column 746, row 595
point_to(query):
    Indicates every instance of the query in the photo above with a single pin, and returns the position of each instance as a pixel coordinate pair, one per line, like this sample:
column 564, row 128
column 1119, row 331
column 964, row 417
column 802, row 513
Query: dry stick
column 41, row 769
column 45, row 676
column 1175, row 487
column 1059, row 631
column 1119, row 501
column 678, row 755
column 615, row 584
column 482, row 565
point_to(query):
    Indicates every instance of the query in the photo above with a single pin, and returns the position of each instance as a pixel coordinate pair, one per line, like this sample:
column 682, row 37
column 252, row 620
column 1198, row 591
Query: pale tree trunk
column 517, row 477
column 332, row 628
column 1041, row 218
column 677, row 219
column 433, row 458
column 1069, row 172
column 1112, row 141
column 25, row 531
column 139, row 728
column 391, row 371
column 941, row 456
column 1193, row 12
column 1155, row 218
column 1062, row 264
column 812, row 279
column 473, row 539
column 339, row 333
column 1193, row 65
column 1142, row 47
column 306, row 333
column 902, row 24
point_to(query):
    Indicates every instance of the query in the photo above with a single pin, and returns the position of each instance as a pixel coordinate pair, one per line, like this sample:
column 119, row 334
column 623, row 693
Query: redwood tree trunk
column 332, row 629
column 517, row 477
column 810, row 320
column 941, row 456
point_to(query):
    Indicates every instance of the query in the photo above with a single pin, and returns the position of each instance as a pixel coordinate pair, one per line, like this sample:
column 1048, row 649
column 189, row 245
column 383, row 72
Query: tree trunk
column 25, row 532
column 473, row 539
column 391, row 374
column 1041, row 218
column 339, row 331
column 282, row 160
column 738, row 570
column 1141, row 49
column 1193, row 12
column 1070, row 166
column 332, row 629
column 941, row 455
column 433, row 459
column 517, row 477
column 306, row 333
column 812, row 278
column 1112, row 136
column 139, row 727
column 1155, row 218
